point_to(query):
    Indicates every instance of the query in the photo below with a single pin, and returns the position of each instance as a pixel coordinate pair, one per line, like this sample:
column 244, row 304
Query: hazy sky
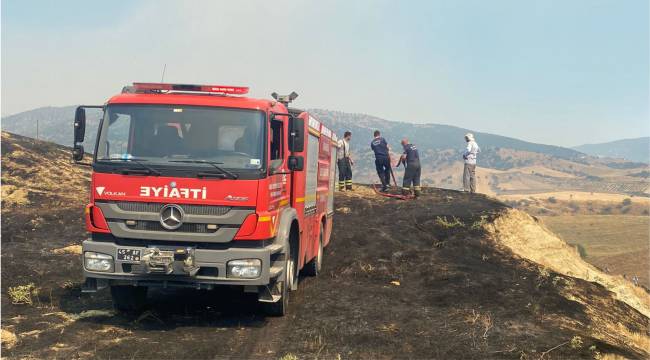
column 561, row 72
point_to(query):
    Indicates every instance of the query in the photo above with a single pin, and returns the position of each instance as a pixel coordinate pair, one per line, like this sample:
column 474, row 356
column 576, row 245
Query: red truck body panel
column 268, row 196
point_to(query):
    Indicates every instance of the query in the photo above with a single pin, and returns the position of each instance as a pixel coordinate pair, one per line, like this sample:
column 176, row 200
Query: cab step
column 275, row 248
column 275, row 271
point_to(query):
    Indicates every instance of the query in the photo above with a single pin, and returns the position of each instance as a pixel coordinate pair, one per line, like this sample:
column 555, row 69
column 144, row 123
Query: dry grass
column 9, row 339
column 529, row 239
column 577, row 196
column 578, row 203
column 637, row 340
column 611, row 357
column 12, row 195
column 72, row 249
column 27, row 173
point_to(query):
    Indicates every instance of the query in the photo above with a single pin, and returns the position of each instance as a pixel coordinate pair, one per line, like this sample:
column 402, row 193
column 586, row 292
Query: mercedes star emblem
column 171, row 216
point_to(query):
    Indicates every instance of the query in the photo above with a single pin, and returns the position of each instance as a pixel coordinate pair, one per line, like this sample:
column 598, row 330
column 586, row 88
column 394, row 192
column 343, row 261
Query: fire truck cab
column 198, row 186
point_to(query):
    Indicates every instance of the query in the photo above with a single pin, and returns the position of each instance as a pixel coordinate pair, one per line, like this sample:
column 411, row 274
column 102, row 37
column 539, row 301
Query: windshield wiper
column 146, row 170
column 214, row 165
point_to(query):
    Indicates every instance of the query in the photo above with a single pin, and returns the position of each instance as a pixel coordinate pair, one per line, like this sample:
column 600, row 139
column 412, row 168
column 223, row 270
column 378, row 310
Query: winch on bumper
column 107, row 263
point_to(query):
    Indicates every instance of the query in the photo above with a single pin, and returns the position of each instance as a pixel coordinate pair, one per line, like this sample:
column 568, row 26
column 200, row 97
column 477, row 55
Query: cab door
column 278, row 173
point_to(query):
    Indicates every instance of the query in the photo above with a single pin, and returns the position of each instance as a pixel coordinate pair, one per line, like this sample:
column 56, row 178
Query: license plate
column 128, row 255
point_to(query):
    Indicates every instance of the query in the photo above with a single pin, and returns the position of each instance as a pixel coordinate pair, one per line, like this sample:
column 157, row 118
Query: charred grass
column 401, row 279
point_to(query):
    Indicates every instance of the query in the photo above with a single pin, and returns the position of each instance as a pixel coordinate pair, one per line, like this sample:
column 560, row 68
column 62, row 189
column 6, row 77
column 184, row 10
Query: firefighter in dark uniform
column 382, row 159
column 344, row 162
column 411, row 160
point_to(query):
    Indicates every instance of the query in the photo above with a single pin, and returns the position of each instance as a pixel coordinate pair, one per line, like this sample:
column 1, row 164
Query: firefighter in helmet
column 411, row 160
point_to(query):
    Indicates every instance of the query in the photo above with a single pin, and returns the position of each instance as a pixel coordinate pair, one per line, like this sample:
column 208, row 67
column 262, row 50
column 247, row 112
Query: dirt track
column 415, row 279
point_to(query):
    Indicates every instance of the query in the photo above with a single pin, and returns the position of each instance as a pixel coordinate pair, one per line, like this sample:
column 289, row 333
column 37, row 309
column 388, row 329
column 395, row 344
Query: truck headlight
column 98, row 262
column 244, row 268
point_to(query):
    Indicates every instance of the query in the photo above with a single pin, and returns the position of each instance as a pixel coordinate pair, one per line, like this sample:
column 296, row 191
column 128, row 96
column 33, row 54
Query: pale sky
column 561, row 72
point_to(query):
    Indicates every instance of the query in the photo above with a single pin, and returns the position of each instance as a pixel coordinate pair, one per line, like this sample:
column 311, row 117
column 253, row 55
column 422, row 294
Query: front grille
column 186, row 227
column 146, row 207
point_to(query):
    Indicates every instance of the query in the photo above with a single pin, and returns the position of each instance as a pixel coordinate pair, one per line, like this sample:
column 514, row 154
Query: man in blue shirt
column 382, row 159
column 411, row 160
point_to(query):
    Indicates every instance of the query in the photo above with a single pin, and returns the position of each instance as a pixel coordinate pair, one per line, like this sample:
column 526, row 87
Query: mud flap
column 92, row 285
column 269, row 293
column 294, row 284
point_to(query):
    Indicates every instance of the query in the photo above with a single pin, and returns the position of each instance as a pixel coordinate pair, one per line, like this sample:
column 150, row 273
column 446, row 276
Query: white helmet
column 469, row 136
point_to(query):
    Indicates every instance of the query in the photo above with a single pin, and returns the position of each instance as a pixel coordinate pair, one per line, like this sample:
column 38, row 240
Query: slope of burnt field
column 418, row 279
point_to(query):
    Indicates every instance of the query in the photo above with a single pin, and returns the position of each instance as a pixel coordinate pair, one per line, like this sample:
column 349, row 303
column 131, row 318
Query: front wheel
column 129, row 298
column 314, row 266
column 280, row 307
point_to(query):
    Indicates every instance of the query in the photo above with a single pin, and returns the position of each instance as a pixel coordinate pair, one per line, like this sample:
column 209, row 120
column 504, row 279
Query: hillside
column 629, row 149
column 448, row 276
column 54, row 124
column 431, row 136
column 506, row 165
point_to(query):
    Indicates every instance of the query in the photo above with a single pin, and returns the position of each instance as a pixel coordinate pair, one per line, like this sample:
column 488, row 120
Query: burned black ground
column 401, row 279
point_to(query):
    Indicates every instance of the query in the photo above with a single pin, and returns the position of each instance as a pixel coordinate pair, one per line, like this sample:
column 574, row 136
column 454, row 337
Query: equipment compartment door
column 312, row 175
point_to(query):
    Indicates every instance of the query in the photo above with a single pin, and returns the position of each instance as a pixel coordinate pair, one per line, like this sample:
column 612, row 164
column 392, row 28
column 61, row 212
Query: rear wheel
column 280, row 307
column 314, row 266
column 129, row 298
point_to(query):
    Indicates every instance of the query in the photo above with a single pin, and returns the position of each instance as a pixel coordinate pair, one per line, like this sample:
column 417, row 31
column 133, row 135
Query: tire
column 314, row 266
column 281, row 307
column 129, row 298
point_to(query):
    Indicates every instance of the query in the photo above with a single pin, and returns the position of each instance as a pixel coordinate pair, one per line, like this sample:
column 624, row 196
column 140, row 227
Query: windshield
column 164, row 134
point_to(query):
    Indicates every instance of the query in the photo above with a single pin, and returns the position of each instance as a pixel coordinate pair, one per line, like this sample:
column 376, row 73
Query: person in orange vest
column 344, row 162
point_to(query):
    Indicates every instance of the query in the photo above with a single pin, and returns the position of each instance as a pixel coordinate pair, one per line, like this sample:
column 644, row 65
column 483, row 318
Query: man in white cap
column 469, row 172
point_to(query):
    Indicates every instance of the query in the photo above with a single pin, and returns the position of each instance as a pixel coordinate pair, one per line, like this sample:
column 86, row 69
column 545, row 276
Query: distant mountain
column 629, row 149
column 507, row 165
column 55, row 124
column 52, row 124
column 429, row 136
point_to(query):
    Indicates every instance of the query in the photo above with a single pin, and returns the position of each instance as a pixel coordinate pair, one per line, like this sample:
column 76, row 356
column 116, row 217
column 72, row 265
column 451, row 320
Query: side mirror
column 79, row 125
column 78, row 152
column 296, row 163
column 297, row 135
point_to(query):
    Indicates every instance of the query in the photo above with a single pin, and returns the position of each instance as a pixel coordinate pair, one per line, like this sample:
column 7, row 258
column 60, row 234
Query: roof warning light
column 216, row 89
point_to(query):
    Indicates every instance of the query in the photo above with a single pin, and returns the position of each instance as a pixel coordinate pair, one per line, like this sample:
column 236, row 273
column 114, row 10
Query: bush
column 552, row 200
column 627, row 202
column 581, row 251
column 22, row 294
column 446, row 224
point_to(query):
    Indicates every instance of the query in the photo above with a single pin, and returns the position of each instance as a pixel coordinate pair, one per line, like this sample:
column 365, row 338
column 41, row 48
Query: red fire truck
column 198, row 186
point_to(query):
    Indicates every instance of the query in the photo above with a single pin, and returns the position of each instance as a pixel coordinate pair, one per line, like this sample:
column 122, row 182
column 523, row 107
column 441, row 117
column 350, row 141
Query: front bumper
column 211, row 265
